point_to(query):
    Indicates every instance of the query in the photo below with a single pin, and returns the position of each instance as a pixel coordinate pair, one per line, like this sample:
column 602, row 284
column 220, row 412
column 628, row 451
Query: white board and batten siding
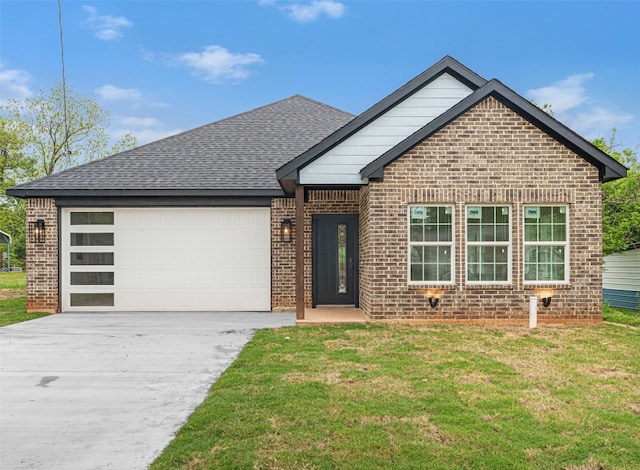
column 162, row 259
column 342, row 164
column 621, row 279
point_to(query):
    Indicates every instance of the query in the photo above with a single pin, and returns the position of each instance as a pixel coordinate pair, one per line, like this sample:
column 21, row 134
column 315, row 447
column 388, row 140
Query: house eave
column 25, row 193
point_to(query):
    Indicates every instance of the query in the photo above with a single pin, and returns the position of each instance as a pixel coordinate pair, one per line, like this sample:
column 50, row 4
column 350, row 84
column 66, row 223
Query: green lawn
column 13, row 280
column 13, row 303
column 406, row 396
column 621, row 315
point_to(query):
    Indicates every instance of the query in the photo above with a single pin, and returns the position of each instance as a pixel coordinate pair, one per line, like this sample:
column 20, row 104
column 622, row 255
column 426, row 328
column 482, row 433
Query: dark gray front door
column 335, row 259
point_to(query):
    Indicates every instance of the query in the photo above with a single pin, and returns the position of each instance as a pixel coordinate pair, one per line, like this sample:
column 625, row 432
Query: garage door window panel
column 91, row 239
column 91, row 259
column 92, row 278
column 91, row 218
column 98, row 299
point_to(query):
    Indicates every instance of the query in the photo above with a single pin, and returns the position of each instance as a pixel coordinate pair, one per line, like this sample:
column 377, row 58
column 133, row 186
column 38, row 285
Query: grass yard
column 13, row 303
column 407, row 396
column 621, row 315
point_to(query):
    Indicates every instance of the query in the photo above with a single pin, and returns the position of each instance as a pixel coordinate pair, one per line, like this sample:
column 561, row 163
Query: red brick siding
column 42, row 258
column 490, row 155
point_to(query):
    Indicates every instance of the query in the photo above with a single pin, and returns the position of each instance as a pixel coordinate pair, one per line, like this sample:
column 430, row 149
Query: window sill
column 431, row 286
column 489, row 285
column 547, row 285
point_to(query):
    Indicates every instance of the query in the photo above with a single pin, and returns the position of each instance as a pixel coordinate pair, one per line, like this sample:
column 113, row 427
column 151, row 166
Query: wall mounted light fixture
column 545, row 296
column 286, row 230
column 36, row 231
column 433, row 296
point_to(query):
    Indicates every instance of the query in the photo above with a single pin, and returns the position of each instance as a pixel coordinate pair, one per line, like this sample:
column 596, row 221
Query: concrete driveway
column 110, row 390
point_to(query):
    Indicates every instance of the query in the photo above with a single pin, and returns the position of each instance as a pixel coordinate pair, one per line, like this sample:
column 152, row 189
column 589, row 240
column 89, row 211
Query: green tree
column 63, row 128
column 621, row 200
column 42, row 135
column 15, row 167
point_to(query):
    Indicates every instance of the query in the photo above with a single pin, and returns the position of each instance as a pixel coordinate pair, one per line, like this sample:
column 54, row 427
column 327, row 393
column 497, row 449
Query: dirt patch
column 11, row 293
column 422, row 423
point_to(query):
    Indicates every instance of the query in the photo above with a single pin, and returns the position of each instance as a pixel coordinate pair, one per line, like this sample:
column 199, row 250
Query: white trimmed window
column 431, row 244
column 546, row 246
column 488, row 244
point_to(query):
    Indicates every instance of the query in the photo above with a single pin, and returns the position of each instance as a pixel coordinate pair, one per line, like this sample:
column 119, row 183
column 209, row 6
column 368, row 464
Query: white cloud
column 596, row 121
column 216, row 64
column 105, row 27
column 145, row 129
column 14, row 84
column 574, row 106
column 308, row 12
column 563, row 95
column 135, row 122
column 114, row 93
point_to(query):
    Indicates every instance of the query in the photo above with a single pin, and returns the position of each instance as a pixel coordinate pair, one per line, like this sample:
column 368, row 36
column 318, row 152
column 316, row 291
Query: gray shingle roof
column 239, row 153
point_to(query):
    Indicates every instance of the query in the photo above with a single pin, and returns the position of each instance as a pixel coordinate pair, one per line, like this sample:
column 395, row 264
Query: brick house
column 452, row 199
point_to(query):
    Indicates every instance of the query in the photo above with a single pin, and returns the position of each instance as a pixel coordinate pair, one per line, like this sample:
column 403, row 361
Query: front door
column 335, row 259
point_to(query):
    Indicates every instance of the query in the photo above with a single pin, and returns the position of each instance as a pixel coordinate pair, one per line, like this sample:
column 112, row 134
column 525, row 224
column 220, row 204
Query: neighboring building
column 621, row 279
column 453, row 191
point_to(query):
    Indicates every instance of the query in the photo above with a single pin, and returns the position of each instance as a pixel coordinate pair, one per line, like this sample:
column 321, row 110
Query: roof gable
column 288, row 174
column 609, row 168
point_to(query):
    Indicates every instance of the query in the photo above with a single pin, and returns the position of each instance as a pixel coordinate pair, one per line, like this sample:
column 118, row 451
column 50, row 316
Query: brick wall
column 283, row 277
column 42, row 258
column 490, row 155
column 283, row 257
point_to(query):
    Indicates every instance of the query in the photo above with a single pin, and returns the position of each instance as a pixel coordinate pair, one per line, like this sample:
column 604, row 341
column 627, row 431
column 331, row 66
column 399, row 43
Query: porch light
column 286, row 231
column 433, row 296
column 545, row 296
column 36, row 231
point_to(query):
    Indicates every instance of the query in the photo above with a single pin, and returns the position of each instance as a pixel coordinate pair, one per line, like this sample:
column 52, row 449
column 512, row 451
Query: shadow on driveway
column 110, row 390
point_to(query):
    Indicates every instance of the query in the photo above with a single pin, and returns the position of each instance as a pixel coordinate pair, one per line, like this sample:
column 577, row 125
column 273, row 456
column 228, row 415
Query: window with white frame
column 489, row 244
column 546, row 246
column 431, row 244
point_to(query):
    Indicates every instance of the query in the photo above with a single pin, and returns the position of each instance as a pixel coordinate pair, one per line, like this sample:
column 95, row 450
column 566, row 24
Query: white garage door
column 160, row 259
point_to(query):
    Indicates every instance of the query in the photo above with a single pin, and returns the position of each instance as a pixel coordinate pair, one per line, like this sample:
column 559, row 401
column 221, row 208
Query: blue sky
column 161, row 67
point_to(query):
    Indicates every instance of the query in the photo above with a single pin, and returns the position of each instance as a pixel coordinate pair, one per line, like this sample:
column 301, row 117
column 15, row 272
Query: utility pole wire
column 64, row 82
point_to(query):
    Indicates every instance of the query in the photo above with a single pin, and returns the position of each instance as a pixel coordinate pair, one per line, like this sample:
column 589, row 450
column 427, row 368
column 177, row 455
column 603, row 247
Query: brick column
column 42, row 258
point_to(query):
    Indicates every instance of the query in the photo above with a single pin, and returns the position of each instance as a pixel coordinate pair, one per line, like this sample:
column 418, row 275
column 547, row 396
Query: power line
column 64, row 81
